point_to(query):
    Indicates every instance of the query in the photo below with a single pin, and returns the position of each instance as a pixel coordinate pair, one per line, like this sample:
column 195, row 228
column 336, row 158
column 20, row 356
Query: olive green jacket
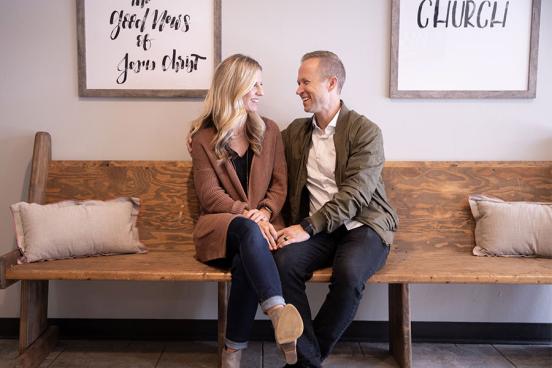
column 359, row 163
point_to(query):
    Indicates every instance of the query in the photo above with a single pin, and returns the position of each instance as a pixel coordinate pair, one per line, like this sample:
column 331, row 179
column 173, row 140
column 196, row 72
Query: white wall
column 38, row 91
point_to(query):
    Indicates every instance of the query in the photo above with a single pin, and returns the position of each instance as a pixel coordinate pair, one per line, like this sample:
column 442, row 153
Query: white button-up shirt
column 321, row 168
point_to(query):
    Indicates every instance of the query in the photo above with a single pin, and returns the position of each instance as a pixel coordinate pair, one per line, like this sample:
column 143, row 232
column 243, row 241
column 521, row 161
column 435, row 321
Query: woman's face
column 251, row 99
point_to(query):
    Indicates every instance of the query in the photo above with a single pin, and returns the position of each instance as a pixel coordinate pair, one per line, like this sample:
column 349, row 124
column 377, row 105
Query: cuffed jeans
column 355, row 255
column 255, row 280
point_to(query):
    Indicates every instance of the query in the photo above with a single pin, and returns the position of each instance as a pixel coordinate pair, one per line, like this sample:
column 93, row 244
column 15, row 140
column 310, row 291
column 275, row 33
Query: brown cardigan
column 220, row 193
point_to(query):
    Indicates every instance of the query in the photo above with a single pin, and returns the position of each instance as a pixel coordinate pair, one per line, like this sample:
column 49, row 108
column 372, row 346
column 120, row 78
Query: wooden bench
column 433, row 244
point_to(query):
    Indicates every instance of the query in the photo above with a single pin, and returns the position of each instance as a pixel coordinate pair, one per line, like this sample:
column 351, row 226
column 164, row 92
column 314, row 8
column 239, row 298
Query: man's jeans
column 355, row 255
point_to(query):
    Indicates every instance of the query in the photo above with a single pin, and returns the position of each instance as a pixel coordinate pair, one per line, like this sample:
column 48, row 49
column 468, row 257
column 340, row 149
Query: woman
column 240, row 179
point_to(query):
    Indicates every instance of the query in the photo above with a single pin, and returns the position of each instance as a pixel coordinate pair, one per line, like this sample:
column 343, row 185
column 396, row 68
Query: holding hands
column 290, row 235
column 262, row 218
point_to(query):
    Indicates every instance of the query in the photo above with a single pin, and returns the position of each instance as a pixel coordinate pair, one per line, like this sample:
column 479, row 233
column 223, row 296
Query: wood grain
column 400, row 336
column 6, row 261
column 433, row 243
column 33, row 319
column 34, row 355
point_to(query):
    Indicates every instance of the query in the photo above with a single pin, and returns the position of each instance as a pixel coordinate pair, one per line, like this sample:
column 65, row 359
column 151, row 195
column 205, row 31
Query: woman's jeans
column 354, row 255
column 255, row 279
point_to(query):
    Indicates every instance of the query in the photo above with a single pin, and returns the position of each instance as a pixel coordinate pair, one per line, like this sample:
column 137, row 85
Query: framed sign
column 464, row 48
column 147, row 48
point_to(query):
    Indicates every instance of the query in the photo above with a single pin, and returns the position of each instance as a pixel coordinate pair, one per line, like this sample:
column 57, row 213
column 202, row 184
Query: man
column 336, row 203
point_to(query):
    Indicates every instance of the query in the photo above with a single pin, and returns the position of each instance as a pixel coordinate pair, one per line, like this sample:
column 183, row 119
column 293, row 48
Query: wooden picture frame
column 147, row 48
column 490, row 51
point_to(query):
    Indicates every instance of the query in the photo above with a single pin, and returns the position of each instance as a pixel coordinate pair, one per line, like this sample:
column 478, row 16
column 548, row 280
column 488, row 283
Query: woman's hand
column 257, row 215
column 269, row 234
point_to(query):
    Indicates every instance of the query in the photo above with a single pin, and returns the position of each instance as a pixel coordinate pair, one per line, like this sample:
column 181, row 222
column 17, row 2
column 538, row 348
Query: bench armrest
column 6, row 261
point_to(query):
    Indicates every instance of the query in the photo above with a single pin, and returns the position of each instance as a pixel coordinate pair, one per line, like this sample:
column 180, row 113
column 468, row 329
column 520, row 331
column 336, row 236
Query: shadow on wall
column 543, row 149
column 15, row 160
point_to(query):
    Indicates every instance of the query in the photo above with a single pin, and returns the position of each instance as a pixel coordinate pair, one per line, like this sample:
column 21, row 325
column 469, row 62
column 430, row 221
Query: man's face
column 312, row 87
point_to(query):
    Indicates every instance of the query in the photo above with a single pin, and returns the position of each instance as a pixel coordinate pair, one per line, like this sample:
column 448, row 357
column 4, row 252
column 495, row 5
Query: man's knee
column 288, row 265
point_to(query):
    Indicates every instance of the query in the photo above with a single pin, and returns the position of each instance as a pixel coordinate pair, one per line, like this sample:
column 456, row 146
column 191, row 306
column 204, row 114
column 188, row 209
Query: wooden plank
column 33, row 318
column 400, row 338
column 169, row 206
column 417, row 264
column 42, row 155
column 33, row 356
column 222, row 307
column 6, row 261
column 433, row 243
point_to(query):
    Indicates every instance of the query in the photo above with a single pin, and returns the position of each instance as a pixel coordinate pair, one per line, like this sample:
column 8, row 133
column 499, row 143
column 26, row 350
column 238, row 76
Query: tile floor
column 158, row 354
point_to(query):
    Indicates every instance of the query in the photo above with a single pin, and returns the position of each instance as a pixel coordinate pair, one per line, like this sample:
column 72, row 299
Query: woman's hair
column 223, row 107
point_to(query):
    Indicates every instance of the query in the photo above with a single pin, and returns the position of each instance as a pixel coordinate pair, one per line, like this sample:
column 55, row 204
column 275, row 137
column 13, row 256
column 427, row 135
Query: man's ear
column 332, row 83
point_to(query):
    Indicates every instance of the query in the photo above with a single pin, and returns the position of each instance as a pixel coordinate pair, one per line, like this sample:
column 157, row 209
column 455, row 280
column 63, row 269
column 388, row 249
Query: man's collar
column 332, row 123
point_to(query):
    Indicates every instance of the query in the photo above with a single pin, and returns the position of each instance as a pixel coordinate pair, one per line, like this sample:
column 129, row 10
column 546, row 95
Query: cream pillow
column 518, row 229
column 71, row 229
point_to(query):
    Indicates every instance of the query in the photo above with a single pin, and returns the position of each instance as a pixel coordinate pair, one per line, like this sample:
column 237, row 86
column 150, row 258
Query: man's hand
column 290, row 235
column 269, row 234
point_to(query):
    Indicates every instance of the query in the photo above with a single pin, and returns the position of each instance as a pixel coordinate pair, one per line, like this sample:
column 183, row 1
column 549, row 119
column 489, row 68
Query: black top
column 242, row 165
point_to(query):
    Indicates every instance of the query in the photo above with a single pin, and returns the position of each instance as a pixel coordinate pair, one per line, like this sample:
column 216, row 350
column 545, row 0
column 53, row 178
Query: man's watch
column 307, row 226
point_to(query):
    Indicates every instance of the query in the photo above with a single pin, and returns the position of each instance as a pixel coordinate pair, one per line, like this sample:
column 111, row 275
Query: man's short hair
column 330, row 65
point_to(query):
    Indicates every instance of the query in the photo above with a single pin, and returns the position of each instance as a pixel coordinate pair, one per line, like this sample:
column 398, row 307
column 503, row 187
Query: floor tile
column 183, row 354
column 347, row 348
column 529, row 356
column 51, row 358
column 377, row 355
column 272, row 356
column 457, row 356
column 8, row 349
column 189, row 354
column 252, row 357
column 108, row 354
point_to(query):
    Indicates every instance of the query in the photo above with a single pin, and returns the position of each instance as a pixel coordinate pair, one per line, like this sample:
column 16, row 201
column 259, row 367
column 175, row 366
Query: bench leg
column 400, row 338
column 36, row 340
column 222, row 306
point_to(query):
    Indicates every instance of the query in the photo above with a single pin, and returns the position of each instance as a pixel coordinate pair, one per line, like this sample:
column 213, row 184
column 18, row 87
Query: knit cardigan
column 221, row 195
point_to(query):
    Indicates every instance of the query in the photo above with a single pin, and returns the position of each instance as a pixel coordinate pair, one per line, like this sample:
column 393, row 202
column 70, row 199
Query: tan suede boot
column 231, row 359
column 288, row 327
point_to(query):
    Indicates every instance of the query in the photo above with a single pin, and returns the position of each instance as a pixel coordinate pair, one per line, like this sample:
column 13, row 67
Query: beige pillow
column 71, row 229
column 517, row 229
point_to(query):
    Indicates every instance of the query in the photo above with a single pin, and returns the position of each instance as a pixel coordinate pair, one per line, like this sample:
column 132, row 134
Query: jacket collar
column 340, row 141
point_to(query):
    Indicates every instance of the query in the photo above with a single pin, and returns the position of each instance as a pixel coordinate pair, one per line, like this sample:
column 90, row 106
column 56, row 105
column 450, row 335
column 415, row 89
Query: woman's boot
column 231, row 359
column 288, row 327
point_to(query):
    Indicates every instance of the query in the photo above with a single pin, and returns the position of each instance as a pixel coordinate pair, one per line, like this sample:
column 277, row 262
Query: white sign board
column 463, row 46
column 147, row 47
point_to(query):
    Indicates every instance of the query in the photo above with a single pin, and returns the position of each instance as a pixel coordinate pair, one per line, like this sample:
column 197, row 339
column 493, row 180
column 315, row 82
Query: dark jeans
column 255, row 277
column 355, row 255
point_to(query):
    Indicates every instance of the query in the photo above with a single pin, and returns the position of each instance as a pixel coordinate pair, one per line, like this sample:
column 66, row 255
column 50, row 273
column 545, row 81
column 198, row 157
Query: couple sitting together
column 321, row 175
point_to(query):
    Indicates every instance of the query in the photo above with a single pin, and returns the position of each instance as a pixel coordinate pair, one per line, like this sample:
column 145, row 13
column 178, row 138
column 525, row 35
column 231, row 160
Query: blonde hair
column 223, row 107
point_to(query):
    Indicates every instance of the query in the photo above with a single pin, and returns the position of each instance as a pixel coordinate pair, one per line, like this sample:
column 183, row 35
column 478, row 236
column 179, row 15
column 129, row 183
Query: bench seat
column 405, row 265
column 433, row 243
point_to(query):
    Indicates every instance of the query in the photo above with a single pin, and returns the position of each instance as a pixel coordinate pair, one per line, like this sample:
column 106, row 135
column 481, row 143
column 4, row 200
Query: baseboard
column 370, row 331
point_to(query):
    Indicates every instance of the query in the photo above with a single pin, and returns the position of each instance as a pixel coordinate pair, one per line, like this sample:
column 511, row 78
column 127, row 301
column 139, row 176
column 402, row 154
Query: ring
column 285, row 238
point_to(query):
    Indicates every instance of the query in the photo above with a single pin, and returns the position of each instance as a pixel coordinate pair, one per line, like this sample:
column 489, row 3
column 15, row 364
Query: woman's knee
column 245, row 229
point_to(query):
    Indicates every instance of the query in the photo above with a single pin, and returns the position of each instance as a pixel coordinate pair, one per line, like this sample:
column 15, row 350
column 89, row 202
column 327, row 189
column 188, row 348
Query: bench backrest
column 430, row 197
